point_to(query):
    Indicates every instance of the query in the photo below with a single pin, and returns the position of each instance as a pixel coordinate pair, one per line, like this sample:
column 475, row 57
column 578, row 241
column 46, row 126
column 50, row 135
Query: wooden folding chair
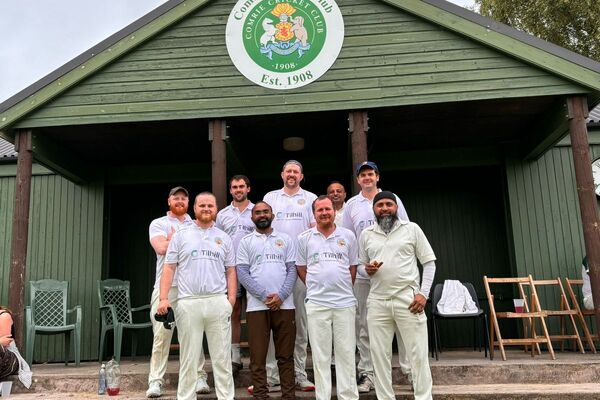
column 565, row 311
column 534, row 314
column 582, row 313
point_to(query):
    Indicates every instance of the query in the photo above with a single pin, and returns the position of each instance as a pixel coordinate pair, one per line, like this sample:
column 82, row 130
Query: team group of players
column 340, row 275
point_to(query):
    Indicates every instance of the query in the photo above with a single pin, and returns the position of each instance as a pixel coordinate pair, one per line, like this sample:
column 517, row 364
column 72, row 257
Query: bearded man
column 161, row 232
column 266, row 267
column 389, row 251
column 203, row 258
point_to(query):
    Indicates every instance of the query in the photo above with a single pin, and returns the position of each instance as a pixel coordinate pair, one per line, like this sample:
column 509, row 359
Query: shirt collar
column 187, row 217
column 396, row 226
column 300, row 192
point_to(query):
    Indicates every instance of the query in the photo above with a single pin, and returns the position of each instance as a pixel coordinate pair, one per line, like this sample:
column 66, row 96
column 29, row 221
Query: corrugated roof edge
column 86, row 55
column 7, row 150
column 516, row 34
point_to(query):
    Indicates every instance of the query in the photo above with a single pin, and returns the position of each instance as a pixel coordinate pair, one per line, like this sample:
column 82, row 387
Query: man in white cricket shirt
column 266, row 267
column 161, row 231
column 388, row 252
column 293, row 215
column 204, row 260
column 337, row 194
column 236, row 221
column 326, row 261
column 358, row 215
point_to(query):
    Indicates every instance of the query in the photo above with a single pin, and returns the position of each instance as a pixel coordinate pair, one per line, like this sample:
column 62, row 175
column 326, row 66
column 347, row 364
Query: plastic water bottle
column 113, row 378
column 102, row 380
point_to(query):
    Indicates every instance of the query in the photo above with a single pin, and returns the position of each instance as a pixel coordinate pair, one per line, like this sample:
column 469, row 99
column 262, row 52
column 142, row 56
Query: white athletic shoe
column 305, row 385
column 365, row 384
column 202, row 386
column 154, row 390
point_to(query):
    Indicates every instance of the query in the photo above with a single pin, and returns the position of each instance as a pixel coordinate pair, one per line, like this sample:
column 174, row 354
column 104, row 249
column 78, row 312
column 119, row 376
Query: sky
column 38, row 36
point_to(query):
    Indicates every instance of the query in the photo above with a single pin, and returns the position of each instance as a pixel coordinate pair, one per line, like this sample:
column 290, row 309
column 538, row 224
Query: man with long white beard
column 161, row 232
column 389, row 251
column 203, row 257
column 358, row 214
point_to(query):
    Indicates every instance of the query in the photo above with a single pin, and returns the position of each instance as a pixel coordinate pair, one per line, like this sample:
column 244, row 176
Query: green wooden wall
column 389, row 57
column 545, row 219
column 65, row 243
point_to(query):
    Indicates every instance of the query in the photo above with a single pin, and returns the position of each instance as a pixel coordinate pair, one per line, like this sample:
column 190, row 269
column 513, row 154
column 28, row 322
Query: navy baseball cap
column 368, row 165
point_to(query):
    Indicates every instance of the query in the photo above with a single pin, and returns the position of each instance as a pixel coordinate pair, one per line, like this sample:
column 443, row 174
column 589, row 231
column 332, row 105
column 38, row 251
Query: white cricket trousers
column 365, row 364
column 383, row 316
column 328, row 325
column 161, row 343
column 196, row 316
column 301, row 331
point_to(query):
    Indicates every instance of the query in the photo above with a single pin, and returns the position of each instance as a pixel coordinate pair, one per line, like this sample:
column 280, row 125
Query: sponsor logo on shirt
column 289, row 215
column 206, row 254
column 268, row 257
column 363, row 224
column 326, row 256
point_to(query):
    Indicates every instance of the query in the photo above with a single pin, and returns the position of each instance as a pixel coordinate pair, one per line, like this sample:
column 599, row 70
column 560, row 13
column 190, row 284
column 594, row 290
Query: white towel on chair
column 456, row 299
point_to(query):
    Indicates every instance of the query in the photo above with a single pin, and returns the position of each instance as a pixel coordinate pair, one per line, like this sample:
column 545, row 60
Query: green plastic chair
column 117, row 314
column 47, row 315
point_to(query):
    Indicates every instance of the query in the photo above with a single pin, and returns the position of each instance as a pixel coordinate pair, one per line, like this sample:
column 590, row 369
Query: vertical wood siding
column 65, row 243
column 545, row 217
column 389, row 57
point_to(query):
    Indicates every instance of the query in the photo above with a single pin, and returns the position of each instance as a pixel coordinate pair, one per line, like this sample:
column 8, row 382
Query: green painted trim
column 62, row 161
column 8, row 170
column 71, row 78
column 553, row 126
column 593, row 138
column 532, row 55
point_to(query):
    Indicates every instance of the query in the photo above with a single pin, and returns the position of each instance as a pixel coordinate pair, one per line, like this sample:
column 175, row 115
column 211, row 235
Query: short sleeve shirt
column 201, row 256
column 162, row 227
column 399, row 251
column 235, row 223
column 328, row 261
column 293, row 214
column 358, row 215
column 267, row 255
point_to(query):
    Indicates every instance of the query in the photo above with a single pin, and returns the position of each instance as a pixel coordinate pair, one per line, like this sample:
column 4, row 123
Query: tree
column 574, row 24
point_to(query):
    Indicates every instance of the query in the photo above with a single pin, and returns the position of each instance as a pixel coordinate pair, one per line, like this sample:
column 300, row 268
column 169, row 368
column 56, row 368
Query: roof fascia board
column 583, row 71
column 111, row 52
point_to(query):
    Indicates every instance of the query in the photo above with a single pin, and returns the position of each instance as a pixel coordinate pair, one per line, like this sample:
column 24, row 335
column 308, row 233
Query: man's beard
column 386, row 222
column 179, row 211
column 204, row 217
column 263, row 223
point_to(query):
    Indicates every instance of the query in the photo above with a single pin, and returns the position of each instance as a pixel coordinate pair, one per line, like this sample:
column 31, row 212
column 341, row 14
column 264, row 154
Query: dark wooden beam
column 578, row 112
column 20, row 229
column 552, row 126
column 358, row 127
column 217, row 133
column 64, row 162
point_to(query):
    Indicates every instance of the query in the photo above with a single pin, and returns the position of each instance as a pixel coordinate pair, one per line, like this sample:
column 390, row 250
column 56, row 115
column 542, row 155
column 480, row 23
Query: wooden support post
column 217, row 133
column 358, row 127
column 578, row 111
column 20, row 228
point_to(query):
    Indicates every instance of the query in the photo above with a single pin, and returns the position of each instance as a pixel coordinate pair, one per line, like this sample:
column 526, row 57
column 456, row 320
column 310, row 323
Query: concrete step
column 464, row 367
column 587, row 391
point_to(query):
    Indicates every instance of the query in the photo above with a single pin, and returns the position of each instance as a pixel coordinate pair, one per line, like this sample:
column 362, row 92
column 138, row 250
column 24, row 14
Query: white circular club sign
column 284, row 44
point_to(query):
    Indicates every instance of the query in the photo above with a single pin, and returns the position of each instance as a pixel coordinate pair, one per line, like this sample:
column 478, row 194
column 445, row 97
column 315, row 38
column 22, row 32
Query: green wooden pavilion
column 468, row 120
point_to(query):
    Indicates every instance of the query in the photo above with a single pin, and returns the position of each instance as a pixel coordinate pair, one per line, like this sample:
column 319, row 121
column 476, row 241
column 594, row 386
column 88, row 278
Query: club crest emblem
column 301, row 202
column 341, row 242
column 218, row 241
column 279, row 243
column 284, row 44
